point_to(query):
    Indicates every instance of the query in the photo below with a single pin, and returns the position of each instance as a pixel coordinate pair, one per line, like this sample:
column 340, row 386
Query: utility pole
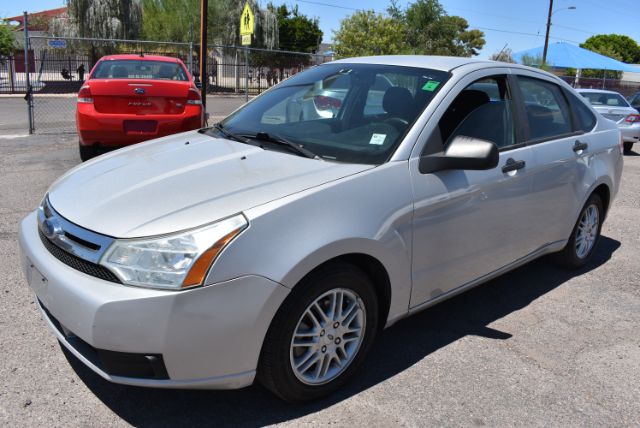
column 546, row 37
column 204, row 7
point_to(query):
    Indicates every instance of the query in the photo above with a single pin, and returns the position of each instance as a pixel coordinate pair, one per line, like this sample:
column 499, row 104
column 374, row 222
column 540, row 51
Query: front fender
column 366, row 213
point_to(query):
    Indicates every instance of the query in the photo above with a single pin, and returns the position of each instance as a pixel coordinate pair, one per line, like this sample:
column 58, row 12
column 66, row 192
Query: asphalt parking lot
column 539, row 346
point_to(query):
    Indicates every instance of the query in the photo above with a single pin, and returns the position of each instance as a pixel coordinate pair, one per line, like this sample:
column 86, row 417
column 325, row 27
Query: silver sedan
column 275, row 247
column 614, row 107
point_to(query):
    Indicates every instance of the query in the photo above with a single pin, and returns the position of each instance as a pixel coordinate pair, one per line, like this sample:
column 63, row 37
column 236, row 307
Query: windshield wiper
column 263, row 136
column 226, row 133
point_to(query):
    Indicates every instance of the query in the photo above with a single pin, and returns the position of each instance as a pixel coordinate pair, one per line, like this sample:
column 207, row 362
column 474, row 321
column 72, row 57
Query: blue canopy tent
column 565, row 55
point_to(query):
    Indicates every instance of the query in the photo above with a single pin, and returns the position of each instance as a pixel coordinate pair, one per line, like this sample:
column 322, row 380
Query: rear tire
column 330, row 345
column 627, row 148
column 585, row 236
column 86, row 152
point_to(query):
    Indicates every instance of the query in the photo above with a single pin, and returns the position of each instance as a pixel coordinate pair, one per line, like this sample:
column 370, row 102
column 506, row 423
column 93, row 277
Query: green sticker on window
column 430, row 86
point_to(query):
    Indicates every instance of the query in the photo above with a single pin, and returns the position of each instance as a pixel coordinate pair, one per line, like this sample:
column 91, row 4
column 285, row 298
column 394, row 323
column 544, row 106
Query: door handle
column 579, row 146
column 513, row 165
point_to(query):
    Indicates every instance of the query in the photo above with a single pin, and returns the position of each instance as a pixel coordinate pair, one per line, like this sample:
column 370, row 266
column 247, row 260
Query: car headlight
column 175, row 261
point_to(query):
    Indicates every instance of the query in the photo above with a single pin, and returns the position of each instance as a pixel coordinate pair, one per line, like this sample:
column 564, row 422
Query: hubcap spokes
column 587, row 231
column 327, row 337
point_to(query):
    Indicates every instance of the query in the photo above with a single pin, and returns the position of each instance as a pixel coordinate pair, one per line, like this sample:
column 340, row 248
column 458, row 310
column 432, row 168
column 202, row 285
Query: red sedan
column 132, row 98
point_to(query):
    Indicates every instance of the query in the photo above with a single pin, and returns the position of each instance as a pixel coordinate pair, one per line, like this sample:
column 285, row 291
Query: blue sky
column 518, row 23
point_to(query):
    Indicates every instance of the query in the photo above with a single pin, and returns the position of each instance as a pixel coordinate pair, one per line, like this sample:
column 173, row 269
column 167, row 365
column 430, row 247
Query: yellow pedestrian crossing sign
column 246, row 21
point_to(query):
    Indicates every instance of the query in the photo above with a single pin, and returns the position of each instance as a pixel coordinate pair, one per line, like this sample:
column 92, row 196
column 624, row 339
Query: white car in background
column 614, row 107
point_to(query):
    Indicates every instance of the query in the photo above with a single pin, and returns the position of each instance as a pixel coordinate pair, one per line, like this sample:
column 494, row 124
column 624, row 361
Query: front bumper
column 208, row 337
column 631, row 133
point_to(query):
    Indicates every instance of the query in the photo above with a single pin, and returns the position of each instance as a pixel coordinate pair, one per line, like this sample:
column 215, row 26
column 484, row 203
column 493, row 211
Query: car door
column 561, row 151
column 468, row 224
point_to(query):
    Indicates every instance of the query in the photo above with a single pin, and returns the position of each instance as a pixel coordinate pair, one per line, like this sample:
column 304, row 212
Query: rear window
column 139, row 69
column 605, row 99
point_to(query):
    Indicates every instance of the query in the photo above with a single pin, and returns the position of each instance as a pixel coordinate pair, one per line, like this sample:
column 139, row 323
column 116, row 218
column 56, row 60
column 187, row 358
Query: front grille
column 77, row 263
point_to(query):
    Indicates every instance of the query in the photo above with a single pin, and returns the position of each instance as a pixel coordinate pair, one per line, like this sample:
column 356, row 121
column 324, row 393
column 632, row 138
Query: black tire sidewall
column 275, row 372
column 86, row 152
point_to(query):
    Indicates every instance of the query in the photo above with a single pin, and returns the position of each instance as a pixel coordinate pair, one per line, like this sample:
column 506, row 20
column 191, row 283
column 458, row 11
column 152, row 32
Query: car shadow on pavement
column 396, row 349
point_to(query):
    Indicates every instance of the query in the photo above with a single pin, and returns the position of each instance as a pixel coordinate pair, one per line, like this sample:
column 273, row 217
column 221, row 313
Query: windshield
column 605, row 99
column 139, row 69
column 343, row 112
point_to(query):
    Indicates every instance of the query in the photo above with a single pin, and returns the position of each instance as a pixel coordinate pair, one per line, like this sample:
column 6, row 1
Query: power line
column 473, row 26
column 337, row 6
column 521, row 33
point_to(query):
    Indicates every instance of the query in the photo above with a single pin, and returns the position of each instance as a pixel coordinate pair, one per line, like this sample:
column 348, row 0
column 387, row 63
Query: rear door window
column 586, row 120
column 546, row 109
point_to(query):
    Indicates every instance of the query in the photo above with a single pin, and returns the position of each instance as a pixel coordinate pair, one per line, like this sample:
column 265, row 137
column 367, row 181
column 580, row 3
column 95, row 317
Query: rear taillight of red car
column 632, row 118
column 323, row 102
column 194, row 97
column 84, row 95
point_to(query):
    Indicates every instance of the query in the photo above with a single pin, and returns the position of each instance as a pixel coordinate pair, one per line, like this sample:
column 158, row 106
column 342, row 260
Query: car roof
column 139, row 57
column 598, row 91
column 443, row 63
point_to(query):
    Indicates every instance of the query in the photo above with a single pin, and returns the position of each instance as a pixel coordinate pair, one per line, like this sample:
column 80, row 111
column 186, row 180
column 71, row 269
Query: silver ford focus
column 275, row 245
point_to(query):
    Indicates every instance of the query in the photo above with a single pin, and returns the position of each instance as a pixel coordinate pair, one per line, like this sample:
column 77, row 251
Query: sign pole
column 246, row 75
column 247, row 24
column 204, row 6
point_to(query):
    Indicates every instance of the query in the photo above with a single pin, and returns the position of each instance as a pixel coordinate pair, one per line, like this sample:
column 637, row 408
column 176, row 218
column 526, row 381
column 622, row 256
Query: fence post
column 28, row 96
column 235, row 71
column 11, row 66
column 191, row 58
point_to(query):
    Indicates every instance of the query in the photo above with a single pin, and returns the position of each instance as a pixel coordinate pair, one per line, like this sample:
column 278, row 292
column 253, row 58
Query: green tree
column 622, row 48
column 175, row 20
column 172, row 20
column 296, row 32
column 422, row 28
column 109, row 19
column 7, row 40
column 431, row 31
column 369, row 33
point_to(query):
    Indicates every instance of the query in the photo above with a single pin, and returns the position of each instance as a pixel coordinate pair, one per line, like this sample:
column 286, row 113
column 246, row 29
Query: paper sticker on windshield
column 431, row 85
column 377, row 139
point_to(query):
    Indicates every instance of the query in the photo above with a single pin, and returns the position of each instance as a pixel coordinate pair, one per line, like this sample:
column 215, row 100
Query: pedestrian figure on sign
column 80, row 71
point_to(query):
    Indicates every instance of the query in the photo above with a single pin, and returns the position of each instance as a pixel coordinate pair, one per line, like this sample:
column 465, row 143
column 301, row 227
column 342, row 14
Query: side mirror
column 462, row 153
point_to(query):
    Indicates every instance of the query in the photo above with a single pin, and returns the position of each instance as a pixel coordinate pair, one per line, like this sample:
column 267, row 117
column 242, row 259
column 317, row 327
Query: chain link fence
column 626, row 88
column 58, row 67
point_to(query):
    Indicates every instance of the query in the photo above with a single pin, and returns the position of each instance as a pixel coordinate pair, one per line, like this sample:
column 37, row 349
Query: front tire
column 627, row 148
column 585, row 235
column 320, row 335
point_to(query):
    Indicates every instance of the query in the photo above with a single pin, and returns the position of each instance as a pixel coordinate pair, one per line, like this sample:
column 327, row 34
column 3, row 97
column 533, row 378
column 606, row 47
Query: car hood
column 180, row 182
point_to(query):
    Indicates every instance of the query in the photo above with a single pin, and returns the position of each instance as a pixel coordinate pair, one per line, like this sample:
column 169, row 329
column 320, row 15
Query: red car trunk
column 142, row 97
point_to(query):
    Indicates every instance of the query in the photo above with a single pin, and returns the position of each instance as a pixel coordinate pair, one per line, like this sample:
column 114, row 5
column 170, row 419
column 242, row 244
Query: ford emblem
column 51, row 228
column 139, row 91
